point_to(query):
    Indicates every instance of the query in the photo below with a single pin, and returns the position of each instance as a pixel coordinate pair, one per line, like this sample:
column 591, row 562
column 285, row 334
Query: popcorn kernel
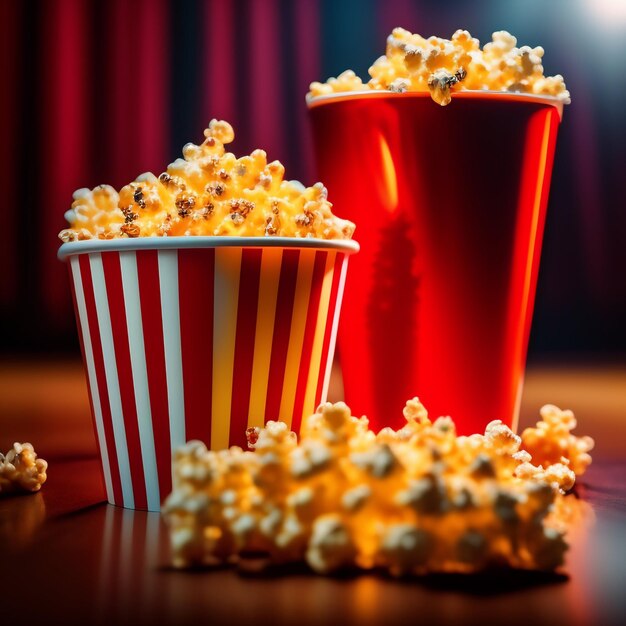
column 551, row 439
column 21, row 470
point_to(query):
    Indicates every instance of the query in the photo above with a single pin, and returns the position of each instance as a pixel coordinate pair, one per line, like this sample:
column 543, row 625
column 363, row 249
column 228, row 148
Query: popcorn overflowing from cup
column 416, row 500
column 209, row 192
column 442, row 66
column 21, row 470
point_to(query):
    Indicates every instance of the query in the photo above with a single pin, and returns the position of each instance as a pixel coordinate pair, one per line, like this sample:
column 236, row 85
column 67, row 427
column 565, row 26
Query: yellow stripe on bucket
column 318, row 340
column 227, row 274
column 268, row 294
column 296, row 338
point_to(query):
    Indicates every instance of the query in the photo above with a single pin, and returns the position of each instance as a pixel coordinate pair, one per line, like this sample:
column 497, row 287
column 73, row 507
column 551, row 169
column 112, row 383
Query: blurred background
column 99, row 91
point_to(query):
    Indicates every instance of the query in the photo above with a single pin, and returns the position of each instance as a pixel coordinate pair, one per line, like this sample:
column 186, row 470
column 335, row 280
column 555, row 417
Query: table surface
column 66, row 555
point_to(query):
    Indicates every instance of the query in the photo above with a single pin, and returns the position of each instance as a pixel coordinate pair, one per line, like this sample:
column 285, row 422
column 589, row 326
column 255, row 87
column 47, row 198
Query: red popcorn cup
column 450, row 203
column 200, row 338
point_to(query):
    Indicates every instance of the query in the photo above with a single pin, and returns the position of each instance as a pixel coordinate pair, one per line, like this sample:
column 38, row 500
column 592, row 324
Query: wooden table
column 65, row 556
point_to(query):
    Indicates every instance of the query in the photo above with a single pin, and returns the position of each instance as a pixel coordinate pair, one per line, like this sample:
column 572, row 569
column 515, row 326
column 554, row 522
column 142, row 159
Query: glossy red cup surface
column 450, row 206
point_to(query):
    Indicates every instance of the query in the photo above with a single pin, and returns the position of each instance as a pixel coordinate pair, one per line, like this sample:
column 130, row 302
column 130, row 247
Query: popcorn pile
column 415, row 500
column 208, row 192
column 413, row 63
column 21, row 470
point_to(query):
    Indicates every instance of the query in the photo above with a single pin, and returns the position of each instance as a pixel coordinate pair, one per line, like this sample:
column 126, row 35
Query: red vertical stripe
column 329, row 324
column 65, row 122
column 122, row 89
column 82, row 351
column 265, row 67
column 308, row 62
column 220, row 41
column 244, row 344
column 152, row 85
column 119, row 329
column 96, row 346
column 150, row 297
column 11, row 20
column 282, row 331
column 309, row 334
column 196, row 273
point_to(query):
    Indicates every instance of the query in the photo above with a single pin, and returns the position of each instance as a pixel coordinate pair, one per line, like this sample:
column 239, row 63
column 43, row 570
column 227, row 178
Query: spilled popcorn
column 21, row 470
column 208, row 192
column 415, row 500
column 551, row 441
column 441, row 66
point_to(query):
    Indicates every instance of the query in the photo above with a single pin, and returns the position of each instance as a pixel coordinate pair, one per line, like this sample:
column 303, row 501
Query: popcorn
column 209, row 192
column 551, row 441
column 21, row 470
column 403, row 547
column 346, row 81
column 331, row 546
column 441, row 66
column 441, row 81
column 414, row 500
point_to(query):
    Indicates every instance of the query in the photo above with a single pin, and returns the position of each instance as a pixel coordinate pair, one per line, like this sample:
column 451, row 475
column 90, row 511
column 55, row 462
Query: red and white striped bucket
column 200, row 338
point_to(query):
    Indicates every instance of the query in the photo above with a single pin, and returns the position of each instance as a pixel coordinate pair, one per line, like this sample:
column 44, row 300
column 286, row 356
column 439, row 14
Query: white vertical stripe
column 170, row 313
column 333, row 332
column 132, row 305
column 110, row 369
column 91, row 373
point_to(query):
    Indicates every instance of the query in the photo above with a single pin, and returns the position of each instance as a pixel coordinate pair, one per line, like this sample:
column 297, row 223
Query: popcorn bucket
column 450, row 203
column 200, row 338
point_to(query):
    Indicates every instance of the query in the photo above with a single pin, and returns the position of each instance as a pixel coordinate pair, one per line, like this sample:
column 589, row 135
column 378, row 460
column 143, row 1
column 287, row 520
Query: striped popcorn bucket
column 199, row 338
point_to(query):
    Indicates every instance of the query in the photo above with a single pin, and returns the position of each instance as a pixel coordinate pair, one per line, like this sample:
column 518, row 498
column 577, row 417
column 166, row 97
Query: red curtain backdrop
column 11, row 20
column 99, row 91
column 102, row 88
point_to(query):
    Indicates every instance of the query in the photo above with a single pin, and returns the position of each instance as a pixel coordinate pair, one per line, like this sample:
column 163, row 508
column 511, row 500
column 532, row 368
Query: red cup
column 450, row 206
column 200, row 338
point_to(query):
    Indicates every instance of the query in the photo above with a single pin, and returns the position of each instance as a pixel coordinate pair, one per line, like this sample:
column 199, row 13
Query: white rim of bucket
column 193, row 241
